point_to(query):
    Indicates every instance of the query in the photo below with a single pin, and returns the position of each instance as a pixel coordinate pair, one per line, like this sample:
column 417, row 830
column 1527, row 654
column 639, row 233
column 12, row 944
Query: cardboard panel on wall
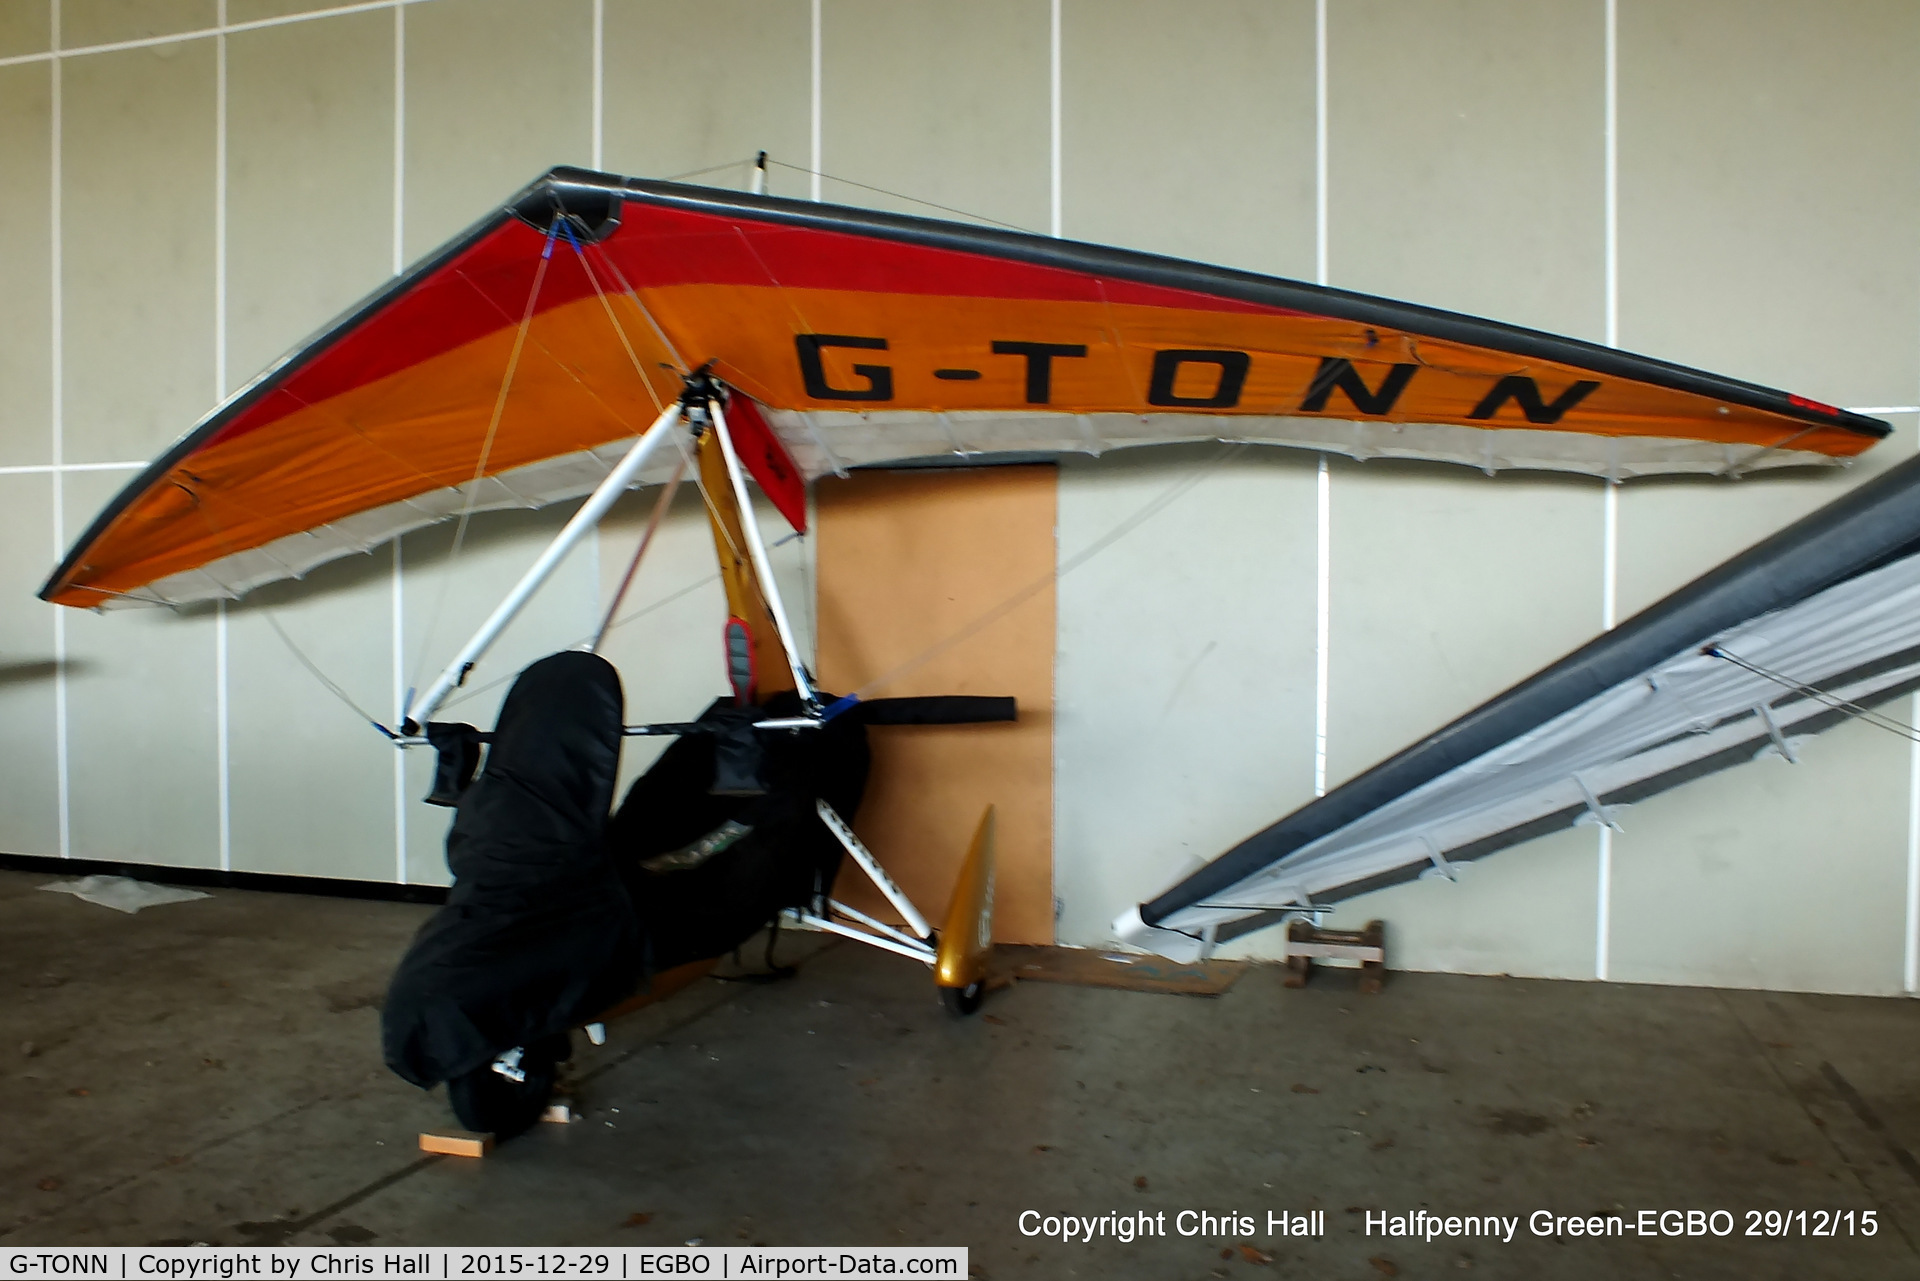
column 1215, row 165
column 938, row 103
column 26, row 283
column 907, row 561
column 680, row 100
column 29, row 802
column 142, row 727
column 1751, row 239
column 309, row 180
column 90, row 22
column 498, row 93
column 1185, row 666
column 137, row 275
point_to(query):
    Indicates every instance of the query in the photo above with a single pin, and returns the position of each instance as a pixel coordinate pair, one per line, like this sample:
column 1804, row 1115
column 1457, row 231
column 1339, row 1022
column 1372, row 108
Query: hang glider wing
column 515, row 364
column 1815, row 624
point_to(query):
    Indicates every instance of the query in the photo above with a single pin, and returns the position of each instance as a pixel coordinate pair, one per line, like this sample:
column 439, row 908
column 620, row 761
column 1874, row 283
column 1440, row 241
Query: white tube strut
column 924, row 955
column 878, row 927
column 757, row 550
column 871, row 866
column 618, row 481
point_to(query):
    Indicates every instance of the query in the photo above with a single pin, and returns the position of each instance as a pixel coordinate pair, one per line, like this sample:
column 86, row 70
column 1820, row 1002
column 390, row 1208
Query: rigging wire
column 313, row 667
column 486, row 451
column 620, row 278
column 1022, row 595
column 619, row 330
column 1006, row 606
column 646, row 539
column 697, row 173
column 751, row 163
column 475, row 691
column 899, row 195
column 609, row 622
column 1878, row 720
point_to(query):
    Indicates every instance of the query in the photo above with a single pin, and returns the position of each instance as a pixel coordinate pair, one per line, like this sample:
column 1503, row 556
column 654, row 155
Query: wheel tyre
column 963, row 1001
column 489, row 1103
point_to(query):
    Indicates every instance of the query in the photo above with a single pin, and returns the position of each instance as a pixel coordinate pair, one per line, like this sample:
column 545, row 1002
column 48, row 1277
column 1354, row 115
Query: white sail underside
column 822, row 442
column 1682, row 712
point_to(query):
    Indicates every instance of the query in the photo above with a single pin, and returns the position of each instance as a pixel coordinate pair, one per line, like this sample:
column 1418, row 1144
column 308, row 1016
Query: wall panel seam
column 397, row 594
column 56, row 54
column 222, row 712
column 1610, row 493
column 60, row 469
column 57, row 322
column 814, row 124
column 1323, row 478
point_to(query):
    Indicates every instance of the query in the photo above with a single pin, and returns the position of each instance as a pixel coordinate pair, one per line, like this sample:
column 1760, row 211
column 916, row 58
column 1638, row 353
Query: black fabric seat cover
column 537, row 934
column 788, row 858
column 552, row 919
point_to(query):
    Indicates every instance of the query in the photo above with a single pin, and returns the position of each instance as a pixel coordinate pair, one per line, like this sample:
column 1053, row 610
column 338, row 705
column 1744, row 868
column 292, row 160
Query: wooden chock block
column 456, row 1143
column 559, row 1112
column 1306, row 943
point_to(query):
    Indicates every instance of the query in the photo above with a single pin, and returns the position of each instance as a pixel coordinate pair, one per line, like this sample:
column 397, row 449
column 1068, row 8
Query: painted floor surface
column 209, row 1071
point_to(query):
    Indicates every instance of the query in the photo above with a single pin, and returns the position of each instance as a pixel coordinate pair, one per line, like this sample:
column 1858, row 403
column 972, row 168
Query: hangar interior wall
column 194, row 185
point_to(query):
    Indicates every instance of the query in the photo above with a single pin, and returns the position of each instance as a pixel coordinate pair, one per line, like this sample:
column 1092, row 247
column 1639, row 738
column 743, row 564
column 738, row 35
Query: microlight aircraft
column 596, row 333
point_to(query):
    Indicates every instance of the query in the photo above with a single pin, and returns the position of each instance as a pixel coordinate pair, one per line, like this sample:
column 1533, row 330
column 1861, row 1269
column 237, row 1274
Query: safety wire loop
column 1824, row 697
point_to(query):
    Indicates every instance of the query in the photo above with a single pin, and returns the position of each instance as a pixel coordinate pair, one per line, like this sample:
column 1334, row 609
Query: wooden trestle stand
column 1307, row 942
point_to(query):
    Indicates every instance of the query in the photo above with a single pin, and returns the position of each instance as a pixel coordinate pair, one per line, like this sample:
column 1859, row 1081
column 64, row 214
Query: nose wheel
column 962, row 1001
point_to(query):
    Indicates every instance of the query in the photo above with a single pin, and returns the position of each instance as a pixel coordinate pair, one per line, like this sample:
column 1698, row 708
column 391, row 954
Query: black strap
column 456, row 747
column 938, row 709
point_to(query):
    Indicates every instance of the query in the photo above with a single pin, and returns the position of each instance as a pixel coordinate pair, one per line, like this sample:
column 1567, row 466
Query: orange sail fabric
column 516, row 364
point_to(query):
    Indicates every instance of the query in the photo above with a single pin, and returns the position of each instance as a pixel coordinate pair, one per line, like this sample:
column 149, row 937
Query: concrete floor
column 209, row 1071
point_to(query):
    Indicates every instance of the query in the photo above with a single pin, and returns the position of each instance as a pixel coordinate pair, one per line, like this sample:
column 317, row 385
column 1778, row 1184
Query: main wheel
column 963, row 1000
column 492, row 1104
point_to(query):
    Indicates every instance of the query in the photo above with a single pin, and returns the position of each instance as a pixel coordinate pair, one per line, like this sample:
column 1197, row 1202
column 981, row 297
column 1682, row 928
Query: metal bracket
column 1765, row 713
column 508, row 1065
column 1439, row 860
column 1596, row 812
